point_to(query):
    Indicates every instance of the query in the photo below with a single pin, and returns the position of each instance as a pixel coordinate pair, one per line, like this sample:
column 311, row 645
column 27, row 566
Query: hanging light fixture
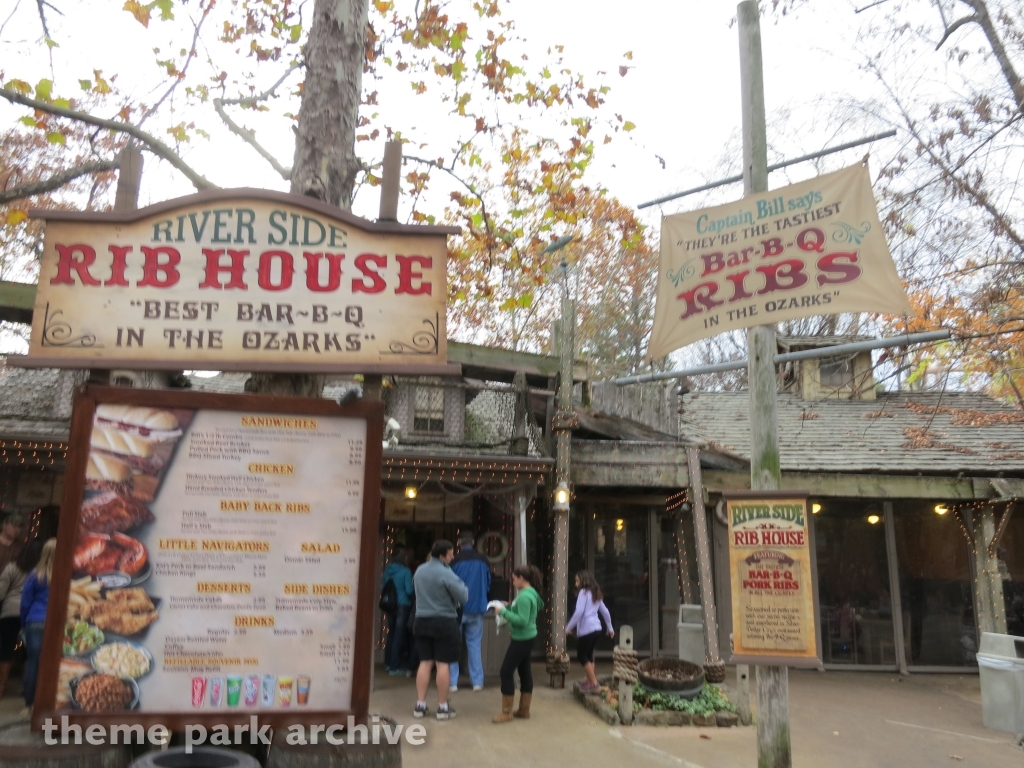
column 411, row 491
column 941, row 509
column 873, row 519
column 562, row 497
column 815, row 509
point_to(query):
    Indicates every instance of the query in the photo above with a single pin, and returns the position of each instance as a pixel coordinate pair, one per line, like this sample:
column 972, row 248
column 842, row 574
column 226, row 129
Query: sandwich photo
column 105, row 473
column 133, row 449
column 153, row 423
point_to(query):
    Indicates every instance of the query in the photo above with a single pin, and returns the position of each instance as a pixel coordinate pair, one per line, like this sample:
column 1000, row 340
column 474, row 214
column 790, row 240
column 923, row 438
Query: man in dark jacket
column 475, row 570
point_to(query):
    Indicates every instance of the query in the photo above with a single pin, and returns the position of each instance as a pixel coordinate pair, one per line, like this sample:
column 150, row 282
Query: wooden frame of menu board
column 87, row 400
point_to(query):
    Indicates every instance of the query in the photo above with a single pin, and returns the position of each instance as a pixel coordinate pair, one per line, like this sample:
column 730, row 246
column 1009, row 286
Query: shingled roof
column 904, row 433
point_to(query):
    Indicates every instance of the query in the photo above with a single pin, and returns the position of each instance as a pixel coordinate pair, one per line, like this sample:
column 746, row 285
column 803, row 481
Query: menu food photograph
column 216, row 563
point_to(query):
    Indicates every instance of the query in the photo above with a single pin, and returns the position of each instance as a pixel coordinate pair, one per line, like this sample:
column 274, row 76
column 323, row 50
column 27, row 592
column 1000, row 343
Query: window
column 428, row 410
column 836, row 372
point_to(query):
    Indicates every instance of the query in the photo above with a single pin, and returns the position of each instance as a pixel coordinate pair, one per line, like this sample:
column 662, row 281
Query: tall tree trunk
column 326, row 164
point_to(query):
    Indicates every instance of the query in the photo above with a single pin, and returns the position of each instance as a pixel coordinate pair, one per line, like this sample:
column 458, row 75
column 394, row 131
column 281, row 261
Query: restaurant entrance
column 628, row 545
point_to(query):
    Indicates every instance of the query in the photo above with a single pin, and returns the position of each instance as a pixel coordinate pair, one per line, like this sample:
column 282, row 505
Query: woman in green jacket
column 521, row 616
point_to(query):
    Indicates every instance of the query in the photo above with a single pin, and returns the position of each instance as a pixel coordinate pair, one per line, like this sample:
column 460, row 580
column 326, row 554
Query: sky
column 682, row 90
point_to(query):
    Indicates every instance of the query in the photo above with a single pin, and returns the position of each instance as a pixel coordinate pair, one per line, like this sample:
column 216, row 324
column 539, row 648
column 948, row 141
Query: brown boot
column 5, row 670
column 506, row 710
column 524, row 706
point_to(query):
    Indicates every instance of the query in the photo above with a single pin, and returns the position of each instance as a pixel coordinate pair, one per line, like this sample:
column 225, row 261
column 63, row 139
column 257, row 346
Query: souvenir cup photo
column 302, row 689
column 198, row 691
column 252, row 690
column 234, row 689
column 268, row 690
column 216, row 691
column 284, row 688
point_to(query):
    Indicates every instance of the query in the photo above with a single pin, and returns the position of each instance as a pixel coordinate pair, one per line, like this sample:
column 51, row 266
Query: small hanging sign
column 773, row 616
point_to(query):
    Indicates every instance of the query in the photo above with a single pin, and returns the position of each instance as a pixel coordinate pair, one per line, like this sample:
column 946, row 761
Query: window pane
column 935, row 586
column 853, row 583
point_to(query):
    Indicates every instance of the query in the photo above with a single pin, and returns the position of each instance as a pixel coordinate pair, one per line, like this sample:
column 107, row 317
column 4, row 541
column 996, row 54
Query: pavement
column 838, row 719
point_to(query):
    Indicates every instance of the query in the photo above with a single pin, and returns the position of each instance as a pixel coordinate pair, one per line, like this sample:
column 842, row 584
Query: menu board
column 770, row 571
column 215, row 566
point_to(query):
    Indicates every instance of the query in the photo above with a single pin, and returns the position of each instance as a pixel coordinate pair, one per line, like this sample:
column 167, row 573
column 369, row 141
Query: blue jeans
column 33, row 647
column 398, row 623
column 473, row 631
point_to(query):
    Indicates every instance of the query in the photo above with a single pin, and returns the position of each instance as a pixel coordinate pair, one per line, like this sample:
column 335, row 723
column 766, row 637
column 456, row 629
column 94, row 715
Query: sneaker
column 453, row 689
column 396, row 673
column 478, row 687
column 421, row 710
column 406, row 673
column 445, row 714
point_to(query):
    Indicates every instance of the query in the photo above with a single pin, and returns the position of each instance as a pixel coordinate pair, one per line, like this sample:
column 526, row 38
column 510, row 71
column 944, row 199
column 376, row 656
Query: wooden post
column 391, row 177
column 703, row 541
column 988, row 580
column 773, row 737
column 562, row 427
column 626, row 686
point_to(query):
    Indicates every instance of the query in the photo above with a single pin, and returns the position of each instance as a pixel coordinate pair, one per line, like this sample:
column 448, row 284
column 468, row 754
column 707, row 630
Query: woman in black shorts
column 586, row 622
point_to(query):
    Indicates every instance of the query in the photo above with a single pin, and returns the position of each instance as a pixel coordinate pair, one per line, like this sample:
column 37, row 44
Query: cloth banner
column 812, row 248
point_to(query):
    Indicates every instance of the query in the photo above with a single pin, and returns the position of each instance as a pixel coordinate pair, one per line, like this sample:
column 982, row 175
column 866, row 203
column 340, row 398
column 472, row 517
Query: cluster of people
column 444, row 605
column 26, row 569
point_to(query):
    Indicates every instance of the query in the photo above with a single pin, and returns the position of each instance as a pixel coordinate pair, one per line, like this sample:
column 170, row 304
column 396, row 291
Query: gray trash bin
column 201, row 757
column 691, row 634
column 1001, row 669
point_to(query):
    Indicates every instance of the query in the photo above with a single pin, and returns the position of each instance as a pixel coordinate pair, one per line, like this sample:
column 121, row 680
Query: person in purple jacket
column 587, row 624
column 35, row 595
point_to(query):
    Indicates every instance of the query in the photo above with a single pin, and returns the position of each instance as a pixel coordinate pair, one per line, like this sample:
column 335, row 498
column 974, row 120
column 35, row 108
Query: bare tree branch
column 152, row 143
column 249, row 136
column 184, row 68
column 972, row 19
column 996, row 43
column 252, row 100
column 56, row 181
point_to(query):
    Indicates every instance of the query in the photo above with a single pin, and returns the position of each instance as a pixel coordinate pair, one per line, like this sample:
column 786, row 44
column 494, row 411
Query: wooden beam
column 492, row 360
column 606, row 463
column 860, row 486
column 616, row 427
column 17, row 301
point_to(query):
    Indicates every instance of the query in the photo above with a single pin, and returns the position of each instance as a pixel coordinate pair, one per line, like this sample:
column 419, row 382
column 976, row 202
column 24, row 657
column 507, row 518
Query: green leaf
column 29, row 121
column 85, row 84
column 920, row 371
column 56, row 137
column 18, row 86
column 525, row 301
column 43, row 89
column 65, row 103
column 51, row 43
column 296, row 33
column 628, row 126
column 165, row 7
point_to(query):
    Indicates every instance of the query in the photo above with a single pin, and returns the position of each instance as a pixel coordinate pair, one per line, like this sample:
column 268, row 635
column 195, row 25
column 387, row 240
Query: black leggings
column 585, row 647
column 517, row 657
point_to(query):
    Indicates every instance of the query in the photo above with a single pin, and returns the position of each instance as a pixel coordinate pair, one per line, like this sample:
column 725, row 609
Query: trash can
column 200, row 757
column 1001, row 668
column 691, row 634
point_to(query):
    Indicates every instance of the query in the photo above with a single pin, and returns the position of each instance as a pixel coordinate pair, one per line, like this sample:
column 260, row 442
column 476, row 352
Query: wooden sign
column 240, row 280
column 773, row 619
column 215, row 561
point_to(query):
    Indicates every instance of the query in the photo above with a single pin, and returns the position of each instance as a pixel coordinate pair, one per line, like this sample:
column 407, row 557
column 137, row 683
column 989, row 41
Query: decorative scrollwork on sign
column 423, row 342
column 684, row 273
column 59, row 333
column 846, row 233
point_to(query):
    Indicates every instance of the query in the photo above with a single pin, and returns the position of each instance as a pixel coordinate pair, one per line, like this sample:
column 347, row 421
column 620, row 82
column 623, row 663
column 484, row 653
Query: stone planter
column 597, row 703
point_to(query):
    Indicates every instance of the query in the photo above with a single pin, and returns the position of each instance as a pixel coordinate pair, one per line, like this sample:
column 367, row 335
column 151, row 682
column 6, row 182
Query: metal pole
column 773, row 735
column 785, row 357
column 775, row 167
